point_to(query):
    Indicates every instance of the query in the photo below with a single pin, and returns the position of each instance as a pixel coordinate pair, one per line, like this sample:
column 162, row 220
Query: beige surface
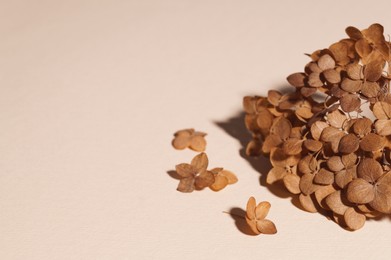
column 90, row 94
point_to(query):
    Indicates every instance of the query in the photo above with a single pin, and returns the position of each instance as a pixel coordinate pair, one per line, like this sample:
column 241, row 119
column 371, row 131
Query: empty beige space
column 91, row 93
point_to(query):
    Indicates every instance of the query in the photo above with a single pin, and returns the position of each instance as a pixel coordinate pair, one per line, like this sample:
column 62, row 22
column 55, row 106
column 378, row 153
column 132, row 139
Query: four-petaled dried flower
column 194, row 175
column 256, row 217
column 189, row 138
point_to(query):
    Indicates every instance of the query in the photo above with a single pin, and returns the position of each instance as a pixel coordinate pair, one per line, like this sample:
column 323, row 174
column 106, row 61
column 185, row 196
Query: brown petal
column 251, row 123
column 372, row 142
column 373, row 71
column 186, row 185
column 181, row 142
column 355, row 71
column 216, row 170
column 340, row 52
column 363, row 48
column 204, row 179
column 307, row 203
column 250, row 208
column 353, row 219
column 313, row 145
column 382, row 200
column 306, row 184
column 317, row 129
column 198, row 143
column 262, row 210
column 274, row 97
column 271, row 141
column 336, row 92
column 374, row 33
column 369, row 170
column 266, row 226
column 184, row 132
column 383, row 127
column 249, row 104
column 336, row 118
column 351, row 86
column 314, row 80
column 252, row 223
column 322, row 193
column 307, row 91
column 333, row 136
column 344, row 177
column 382, row 110
column 332, row 76
column 279, row 158
column 231, row 177
column 360, row 191
column 353, row 33
column 281, row 127
column 297, row 79
column 265, row 119
column 220, row 183
column 292, row 146
column 326, row 62
column 362, row 126
column 312, row 67
column 348, row 144
column 185, row 170
column 308, row 164
column 276, row 174
column 324, row 177
column 335, row 163
column 291, row 182
column 335, row 203
column 349, row 160
column 305, row 110
column 200, row 162
column 370, row 89
column 350, row 102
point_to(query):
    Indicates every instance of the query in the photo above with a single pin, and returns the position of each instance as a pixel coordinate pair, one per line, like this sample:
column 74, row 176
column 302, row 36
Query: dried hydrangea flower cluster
column 196, row 176
column 321, row 145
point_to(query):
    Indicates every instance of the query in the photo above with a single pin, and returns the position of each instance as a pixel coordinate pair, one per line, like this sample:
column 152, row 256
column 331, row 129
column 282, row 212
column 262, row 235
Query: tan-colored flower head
column 194, row 175
column 324, row 145
column 189, row 138
column 256, row 217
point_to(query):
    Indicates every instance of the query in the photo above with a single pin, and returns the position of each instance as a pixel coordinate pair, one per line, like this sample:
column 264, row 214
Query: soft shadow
column 238, row 215
column 173, row 174
column 236, row 128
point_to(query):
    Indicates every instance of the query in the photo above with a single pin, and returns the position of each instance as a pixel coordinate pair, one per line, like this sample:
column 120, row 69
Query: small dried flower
column 255, row 217
column 194, row 175
column 222, row 179
column 189, row 138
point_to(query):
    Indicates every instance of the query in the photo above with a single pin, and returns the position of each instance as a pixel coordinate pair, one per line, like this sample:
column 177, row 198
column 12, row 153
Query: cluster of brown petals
column 322, row 147
column 196, row 176
column 189, row 138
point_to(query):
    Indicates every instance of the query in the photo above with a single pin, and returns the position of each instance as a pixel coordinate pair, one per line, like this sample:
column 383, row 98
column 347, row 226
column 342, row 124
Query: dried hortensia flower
column 256, row 217
column 321, row 145
column 194, row 175
column 189, row 138
column 222, row 179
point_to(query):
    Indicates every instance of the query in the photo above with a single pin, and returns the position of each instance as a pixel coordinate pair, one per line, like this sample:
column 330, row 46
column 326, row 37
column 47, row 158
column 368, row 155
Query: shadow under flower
column 236, row 128
column 238, row 215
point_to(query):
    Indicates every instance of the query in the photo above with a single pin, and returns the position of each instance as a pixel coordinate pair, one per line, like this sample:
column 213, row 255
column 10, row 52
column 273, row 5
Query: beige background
column 90, row 95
